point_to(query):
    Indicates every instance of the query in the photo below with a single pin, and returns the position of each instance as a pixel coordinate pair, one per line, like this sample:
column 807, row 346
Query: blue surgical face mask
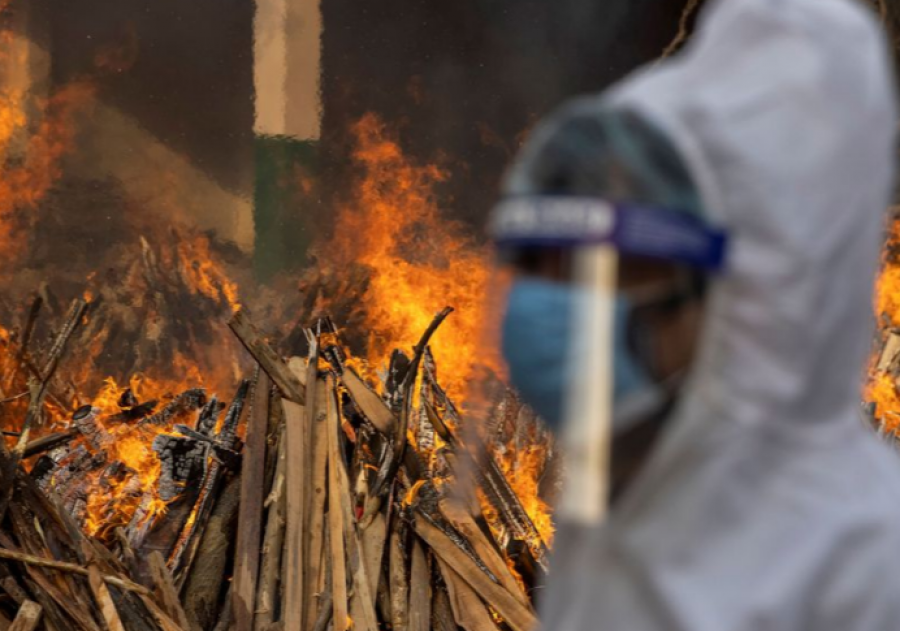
column 541, row 346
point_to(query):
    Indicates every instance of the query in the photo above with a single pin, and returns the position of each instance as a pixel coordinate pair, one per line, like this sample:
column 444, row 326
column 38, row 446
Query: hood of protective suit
column 768, row 504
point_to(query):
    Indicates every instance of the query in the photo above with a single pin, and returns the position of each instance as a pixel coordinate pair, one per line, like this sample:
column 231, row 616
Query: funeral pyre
column 154, row 475
column 338, row 488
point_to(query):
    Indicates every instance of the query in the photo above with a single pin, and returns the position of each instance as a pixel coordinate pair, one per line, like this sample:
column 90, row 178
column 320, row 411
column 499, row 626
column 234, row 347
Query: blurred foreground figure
column 720, row 214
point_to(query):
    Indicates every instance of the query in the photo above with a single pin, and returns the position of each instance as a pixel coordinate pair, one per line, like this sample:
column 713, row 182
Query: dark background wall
column 183, row 69
column 465, row 79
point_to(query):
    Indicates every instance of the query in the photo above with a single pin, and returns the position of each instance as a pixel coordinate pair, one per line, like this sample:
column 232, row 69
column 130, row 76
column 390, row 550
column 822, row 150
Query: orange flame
column 420, row 261
column 24, row 183
column 114, row 504
column 881, row 388
column 204, row 274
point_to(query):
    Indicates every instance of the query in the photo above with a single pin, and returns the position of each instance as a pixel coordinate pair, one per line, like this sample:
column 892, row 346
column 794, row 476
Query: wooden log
column 340, row 617
column 178, row 408
column 369, row 403
column 315, row 415
column 419, row 590
column 273, row 544
column 31, row 560
column 55, row 617
column 492, row 481
column 296, row 453
column 9, row 460
column 253, row 470
column 203, row 590
column 373, row 538
column 324, row 599
column 460, row 518
column 226, row 615
column 49, row 595
column 517, row 616
column 276, row 368
column 398, row 578
column 316, row 525
column 441, row 612
column 162, row 618
column 362, row 600
column 326, row 610
column 101, row 595
column 13, row 589
column 165, row 590
column 48, row 442
column 182, row 558
column 398, row 446
column 28, row 618
column 889, row 352
column 469, row 611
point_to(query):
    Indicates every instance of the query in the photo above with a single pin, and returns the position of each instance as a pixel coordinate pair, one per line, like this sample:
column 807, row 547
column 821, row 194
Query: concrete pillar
column 287, row 63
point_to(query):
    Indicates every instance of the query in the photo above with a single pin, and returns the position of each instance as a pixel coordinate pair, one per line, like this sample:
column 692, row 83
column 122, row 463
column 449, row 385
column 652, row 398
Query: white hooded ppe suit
column 768, row 505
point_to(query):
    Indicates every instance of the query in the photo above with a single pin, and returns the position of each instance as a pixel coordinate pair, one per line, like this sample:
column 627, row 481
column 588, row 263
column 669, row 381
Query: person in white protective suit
column 765, row 503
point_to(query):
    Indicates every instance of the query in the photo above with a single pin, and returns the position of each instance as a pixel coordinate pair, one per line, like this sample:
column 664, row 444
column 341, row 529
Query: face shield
column 587, row 285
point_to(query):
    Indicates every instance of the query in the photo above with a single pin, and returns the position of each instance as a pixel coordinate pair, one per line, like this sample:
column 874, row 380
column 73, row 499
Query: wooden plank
column 369, row 403
column 101, row 595
column 464, row 523
column 293, row 563
column 207, row 580
column 889, row 352
column 165, row 622
column 28, row 618
column 469, row 611
column 373, row 537
column 316, row 511
column 442, row 612
column 273, row 545
column 341, row 618
column 398, row 580
column 298, row 367
column 267, row 358
column 362, row 599
column 316, row 406
column 250, row 519
column 165, row 589
column 419, row 590
column 518, row 617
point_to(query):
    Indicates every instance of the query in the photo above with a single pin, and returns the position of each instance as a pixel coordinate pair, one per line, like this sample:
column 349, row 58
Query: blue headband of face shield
column 630, row 228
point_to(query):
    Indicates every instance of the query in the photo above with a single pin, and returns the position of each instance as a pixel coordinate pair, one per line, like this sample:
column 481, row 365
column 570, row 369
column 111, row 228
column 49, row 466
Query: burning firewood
column 332, row 494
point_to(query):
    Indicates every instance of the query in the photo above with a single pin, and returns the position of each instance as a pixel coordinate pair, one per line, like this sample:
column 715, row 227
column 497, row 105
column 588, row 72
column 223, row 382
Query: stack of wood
column 313, row 500
column 361, row 528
